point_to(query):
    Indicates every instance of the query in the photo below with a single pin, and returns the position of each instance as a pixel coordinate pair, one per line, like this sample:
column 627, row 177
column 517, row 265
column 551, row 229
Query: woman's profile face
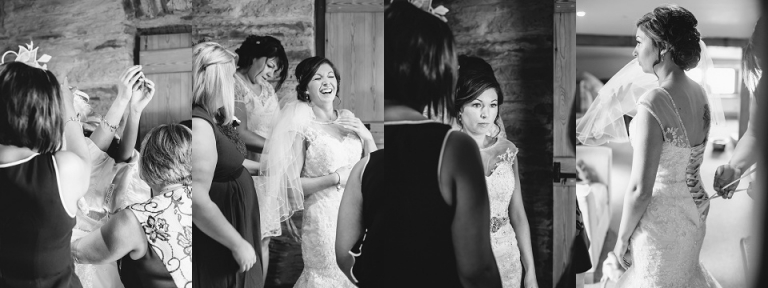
column 262, row 68
column 644, row 51
column 322, row 85
column 479, row 116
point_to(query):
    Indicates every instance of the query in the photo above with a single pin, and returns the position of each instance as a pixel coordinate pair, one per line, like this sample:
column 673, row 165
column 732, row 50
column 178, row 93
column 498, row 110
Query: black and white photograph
column 667, row 126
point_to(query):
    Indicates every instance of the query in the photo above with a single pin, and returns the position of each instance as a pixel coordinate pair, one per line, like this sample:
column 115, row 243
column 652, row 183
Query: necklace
column 170, row 188
column 335, row 112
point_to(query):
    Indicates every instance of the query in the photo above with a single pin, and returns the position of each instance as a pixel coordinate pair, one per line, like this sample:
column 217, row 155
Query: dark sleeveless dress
column 35, row 229
column 408, row 242
column 233, row 192
column 145, row 272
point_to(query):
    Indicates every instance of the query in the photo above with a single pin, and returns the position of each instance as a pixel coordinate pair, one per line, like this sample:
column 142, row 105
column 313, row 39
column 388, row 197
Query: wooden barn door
column 564, row 198
column 354, row 42
column 166, row 60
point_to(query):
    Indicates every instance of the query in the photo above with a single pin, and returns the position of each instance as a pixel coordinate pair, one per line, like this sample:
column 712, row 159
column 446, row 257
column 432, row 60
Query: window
column 721, row 80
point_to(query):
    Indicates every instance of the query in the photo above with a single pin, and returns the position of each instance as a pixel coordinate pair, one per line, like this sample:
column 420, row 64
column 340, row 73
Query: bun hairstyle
column 263, row 46
column 304, row 72
column 673, row 28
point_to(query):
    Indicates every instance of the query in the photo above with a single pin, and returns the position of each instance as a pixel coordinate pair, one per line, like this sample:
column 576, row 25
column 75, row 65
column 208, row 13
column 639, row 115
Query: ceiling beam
column 629, row 41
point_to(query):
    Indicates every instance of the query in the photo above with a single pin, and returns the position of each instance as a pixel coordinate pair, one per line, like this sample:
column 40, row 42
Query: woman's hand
column 127, row 81
column 244, row 255
column 356, row 125
column 620, row 251
column 530, row 280
column 343, row 174
column 142, row 93
column 724, row 175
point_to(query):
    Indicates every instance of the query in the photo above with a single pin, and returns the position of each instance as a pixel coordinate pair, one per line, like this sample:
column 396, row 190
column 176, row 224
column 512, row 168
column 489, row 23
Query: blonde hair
column 214, row 75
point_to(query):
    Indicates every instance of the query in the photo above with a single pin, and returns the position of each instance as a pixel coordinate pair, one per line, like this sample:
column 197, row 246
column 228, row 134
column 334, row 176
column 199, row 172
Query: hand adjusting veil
column 604, row 121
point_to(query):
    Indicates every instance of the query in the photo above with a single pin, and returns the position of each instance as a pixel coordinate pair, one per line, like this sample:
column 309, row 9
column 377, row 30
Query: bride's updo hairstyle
column 263, row 46
column 421, row 67
column 475, row 76
column 304, row 72
column 673, row 28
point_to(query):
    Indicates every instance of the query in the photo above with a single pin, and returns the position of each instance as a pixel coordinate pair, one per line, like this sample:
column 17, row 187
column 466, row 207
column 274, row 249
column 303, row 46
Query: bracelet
column 112, row 128
column 74, row 119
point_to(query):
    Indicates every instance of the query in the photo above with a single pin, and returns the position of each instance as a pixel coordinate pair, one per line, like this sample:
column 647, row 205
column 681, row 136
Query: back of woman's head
column 752, row 63
column 214, row 71
column 421, row 67
column 306, row 70
column 475, row 76
column 673, row 28
column 30, row 108
column 255, row 47
column 166, row 154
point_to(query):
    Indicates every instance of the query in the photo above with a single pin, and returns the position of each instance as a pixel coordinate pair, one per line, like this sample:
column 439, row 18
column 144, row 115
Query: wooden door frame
column 170, row 29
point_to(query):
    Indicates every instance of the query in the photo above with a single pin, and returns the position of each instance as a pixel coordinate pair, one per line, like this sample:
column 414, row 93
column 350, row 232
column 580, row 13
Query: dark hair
column 751, row 58
column 30, row 108
column 421, row 67
column 306, row 69
column 475, row 76
column 673, row 28
column 263, row 46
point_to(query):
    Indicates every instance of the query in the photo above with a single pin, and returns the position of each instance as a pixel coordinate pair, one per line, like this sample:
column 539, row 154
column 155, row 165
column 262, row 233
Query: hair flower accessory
column 426, row 5
column 28, row 55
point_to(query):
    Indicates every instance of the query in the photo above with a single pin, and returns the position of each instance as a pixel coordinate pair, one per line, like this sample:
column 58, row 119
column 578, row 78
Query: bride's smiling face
column 478, row 116
column 323, row 85
column 645, row 52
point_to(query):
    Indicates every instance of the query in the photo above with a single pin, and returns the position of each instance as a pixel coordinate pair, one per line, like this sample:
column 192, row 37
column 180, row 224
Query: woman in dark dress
column 226, row 211
column 40, row 182
column 424, row 207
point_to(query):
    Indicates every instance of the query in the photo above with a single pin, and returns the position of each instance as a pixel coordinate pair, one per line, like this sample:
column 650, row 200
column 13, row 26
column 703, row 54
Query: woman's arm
column 519, row 221
column 350, row 220
column 120, row 236
column 742, row 159
column 103, row 135
column 645, row 163
column 140, row 97
column 462, row 174
column 253, row 167
column 74, row 164
column 208, row 216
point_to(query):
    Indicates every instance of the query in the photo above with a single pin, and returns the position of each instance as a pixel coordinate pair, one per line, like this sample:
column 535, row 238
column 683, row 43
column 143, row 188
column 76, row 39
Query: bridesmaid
column 40, row 181
column 424, row 215
column 226, row 209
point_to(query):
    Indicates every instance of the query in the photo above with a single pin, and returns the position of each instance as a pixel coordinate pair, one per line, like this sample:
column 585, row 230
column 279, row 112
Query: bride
column 478, row 97
column 665, row 208
column 308, row 159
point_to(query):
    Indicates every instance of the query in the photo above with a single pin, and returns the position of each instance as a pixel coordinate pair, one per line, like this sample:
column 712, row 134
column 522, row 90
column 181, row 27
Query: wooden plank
column 377, row 130
column 564, row 228
column 564, row 194
column 354, row 45
column 343, row 6
column 172, row 102
column 564, row 83
column 167, row 60
column 165, row 41
column 629, row 41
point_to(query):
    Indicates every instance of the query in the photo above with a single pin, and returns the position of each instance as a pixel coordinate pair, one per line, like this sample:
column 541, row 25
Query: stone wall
column 230, row 22
column 515, row 37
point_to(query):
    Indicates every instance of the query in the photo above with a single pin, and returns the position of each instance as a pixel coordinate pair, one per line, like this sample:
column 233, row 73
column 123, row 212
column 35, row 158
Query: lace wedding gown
column 666, row 244
column 326, row 152
column 501, row 185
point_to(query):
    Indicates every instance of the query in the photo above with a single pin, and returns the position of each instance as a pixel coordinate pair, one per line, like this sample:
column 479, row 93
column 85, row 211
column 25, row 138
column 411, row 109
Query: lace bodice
column 666, row 243
column 501, row 186
column 324, row 154
column 262, row 109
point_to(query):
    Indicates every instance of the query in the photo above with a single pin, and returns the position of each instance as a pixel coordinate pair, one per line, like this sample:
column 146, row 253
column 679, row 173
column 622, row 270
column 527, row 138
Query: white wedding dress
column 328, row 148
column 501, row 185
column 666, row 244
